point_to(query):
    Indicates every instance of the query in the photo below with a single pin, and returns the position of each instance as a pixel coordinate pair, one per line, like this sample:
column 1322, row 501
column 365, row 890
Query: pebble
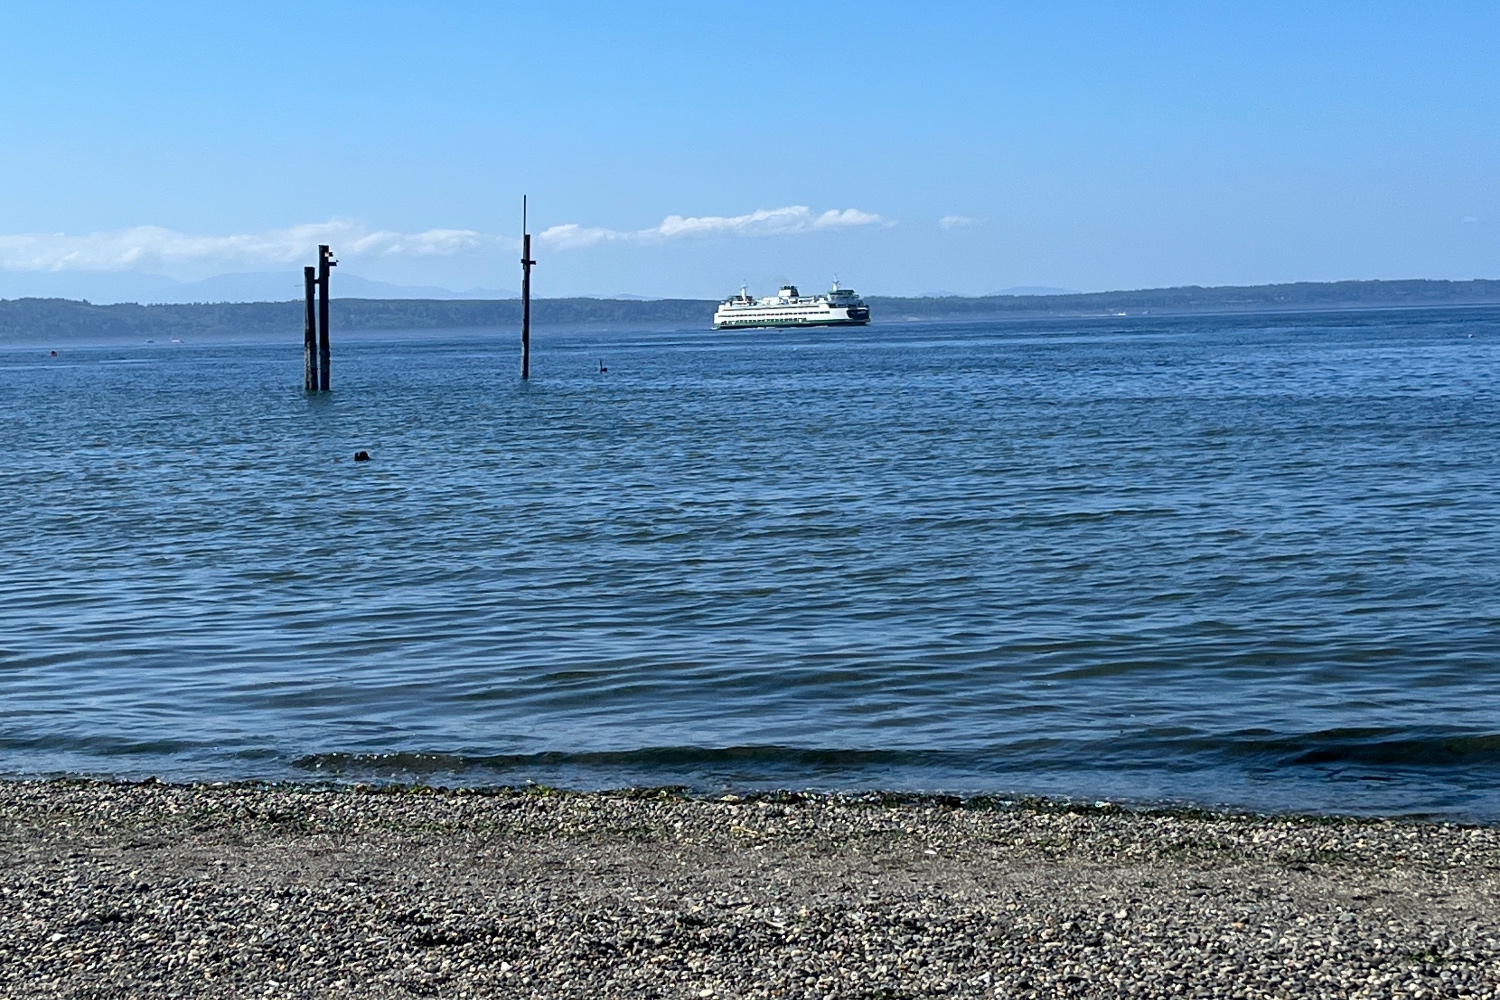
column 150, row 889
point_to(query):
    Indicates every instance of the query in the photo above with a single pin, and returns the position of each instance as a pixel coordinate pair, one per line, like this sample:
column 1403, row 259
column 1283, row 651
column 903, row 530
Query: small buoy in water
column 361, row 456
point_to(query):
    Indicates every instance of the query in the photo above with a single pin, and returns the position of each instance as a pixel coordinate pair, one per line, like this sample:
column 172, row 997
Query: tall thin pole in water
column 309, row 333
column 325, row 348
column 526, row 263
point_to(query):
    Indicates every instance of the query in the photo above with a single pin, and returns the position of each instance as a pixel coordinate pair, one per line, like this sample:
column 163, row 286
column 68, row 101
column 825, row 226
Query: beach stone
column 283, row 890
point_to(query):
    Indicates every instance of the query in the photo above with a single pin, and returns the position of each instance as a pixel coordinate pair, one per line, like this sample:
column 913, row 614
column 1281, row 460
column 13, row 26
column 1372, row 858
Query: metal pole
column 325, row 348
column 526, row 263
column 309, row 334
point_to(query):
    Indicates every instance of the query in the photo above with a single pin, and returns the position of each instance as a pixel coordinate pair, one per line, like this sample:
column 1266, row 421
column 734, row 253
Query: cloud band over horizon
column 762, row 222
column 150, row 248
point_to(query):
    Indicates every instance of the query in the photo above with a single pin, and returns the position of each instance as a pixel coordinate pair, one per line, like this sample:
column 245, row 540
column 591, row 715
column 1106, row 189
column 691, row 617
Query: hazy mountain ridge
column 65, row 319
column 250, row 286
column 1222, row 298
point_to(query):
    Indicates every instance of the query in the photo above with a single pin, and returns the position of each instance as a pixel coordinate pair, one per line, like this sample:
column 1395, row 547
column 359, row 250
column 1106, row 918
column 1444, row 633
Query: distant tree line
column 43, row 319
column 1196, row 299
column 65, row 319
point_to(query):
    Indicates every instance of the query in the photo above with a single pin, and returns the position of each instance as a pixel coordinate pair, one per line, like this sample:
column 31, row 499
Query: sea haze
column 1231, row 560
column 112, row 287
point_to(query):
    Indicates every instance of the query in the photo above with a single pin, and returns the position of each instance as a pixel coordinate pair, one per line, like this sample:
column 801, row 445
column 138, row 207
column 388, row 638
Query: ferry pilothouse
column 788, row 307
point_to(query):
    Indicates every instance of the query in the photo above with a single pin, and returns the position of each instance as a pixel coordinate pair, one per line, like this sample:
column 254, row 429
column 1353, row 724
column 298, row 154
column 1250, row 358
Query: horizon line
column 930, row 296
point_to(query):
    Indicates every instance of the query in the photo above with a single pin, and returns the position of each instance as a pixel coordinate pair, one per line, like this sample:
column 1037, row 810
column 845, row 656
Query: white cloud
column 762, row 222
column 955, row 221
column 1469, row 220
column 149, row 248
column 848, row 217
column 574, row 235
column 432, row 243
column 154, row 248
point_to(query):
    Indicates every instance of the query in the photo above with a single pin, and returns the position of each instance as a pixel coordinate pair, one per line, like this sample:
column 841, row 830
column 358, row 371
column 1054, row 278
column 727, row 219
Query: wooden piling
column 526, row 263
column 325, row 349
column 309, row 333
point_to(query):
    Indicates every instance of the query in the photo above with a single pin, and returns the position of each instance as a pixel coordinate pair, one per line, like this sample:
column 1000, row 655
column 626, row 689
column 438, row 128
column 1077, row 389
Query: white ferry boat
column 788, row 307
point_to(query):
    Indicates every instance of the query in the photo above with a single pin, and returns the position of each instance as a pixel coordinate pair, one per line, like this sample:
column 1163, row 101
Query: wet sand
column 152, row 890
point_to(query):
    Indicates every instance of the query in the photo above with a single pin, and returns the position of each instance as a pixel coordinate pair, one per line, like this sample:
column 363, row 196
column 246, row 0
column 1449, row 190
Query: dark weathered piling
column 526, row 263
column 309, row 333
column 325, row 349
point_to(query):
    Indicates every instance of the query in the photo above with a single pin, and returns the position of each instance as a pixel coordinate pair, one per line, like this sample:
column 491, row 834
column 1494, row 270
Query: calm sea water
column 1246, row 560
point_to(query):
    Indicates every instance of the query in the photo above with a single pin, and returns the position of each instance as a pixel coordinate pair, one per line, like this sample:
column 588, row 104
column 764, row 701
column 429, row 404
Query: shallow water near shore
column 1247, row 561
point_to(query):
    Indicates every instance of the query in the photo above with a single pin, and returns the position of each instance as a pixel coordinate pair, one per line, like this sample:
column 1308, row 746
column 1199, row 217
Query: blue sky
column 678, row 149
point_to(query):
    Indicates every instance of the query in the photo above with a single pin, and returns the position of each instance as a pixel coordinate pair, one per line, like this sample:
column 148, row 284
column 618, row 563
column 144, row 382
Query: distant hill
column 1303, row 295
column 257, row 286
column 42, row 320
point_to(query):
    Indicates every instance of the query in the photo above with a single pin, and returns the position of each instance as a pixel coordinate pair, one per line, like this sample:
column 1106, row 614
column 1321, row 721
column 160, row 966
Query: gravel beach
column 154, row 890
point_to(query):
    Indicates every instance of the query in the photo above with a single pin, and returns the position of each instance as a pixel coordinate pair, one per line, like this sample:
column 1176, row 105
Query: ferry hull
column 787, row 324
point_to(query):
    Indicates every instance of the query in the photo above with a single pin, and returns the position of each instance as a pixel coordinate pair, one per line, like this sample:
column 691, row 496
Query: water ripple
column 1232, row 560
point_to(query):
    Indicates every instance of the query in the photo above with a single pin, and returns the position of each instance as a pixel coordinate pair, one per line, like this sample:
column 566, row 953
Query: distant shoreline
column 31, row 320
